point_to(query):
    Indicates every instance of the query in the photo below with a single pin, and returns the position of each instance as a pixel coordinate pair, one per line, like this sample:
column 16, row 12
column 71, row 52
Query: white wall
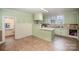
column 23, row 22
column 23, row 30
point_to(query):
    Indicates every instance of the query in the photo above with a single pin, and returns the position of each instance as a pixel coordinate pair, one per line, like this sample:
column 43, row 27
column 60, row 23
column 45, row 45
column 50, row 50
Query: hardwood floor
column 65, row 44
column 32, row 43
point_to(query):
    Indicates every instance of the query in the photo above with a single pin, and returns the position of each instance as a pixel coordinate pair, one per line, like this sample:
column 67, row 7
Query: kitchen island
column 47, row 33
column 43, row 33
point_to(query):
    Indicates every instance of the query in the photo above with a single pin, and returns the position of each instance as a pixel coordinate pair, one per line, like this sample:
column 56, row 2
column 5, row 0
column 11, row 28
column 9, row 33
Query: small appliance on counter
column 44, row 25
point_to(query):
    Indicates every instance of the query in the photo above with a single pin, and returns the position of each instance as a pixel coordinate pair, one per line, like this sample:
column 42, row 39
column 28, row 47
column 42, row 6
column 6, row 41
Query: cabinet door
column 58, row 31
column 61, row 31
column 64, row 32
column 78, row 19
column 71, row 18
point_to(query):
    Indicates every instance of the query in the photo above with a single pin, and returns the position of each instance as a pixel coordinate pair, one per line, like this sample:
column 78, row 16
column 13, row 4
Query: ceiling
column 55, row 11
column 51, row 11
column 31, row 10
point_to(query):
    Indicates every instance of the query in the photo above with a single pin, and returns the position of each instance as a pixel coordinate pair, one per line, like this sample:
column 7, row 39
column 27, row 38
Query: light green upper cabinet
column 38, row 16
column 71, row 18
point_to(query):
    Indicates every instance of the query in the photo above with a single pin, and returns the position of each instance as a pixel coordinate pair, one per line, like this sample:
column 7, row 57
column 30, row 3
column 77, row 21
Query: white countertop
column 49, row 29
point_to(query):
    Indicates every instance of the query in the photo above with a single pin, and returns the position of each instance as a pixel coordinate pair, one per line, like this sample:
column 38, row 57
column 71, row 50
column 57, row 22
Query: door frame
column 3, row 27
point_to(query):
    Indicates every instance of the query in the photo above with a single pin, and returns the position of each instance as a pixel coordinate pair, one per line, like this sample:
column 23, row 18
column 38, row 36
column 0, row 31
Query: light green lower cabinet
column 61, row 31
column 57, row 31
column 64, row 32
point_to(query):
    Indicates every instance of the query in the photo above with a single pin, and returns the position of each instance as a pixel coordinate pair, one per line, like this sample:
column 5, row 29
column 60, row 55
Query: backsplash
column 55, row 26
column 68, row 26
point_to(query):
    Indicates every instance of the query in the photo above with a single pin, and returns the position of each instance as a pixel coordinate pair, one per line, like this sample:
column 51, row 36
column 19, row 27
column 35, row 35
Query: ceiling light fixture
column 44, row 9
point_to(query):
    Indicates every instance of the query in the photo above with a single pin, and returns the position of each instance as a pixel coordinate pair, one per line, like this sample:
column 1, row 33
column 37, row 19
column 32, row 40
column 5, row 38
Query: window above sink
column 56, row 19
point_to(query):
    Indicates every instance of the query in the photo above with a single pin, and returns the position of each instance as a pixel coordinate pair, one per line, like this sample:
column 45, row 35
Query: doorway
column 8, row 28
